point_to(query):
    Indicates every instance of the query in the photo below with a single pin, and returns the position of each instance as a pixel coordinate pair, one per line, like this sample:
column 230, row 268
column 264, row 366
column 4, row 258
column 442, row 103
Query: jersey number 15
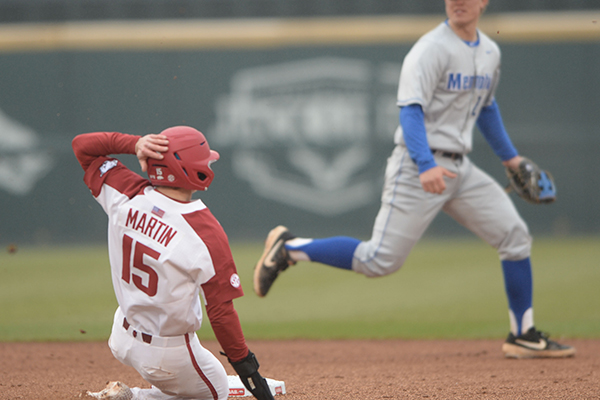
column 138, row 263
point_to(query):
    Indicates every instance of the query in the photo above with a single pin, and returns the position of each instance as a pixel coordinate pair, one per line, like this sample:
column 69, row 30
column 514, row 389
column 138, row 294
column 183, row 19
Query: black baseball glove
column 247, row 369
column 531, row 183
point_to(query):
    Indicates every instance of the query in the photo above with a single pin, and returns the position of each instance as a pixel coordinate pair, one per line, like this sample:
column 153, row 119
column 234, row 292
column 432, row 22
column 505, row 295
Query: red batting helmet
column 187, row 162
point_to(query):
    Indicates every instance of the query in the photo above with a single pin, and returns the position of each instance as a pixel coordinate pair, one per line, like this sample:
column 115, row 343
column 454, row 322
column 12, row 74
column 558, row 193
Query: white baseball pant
column 177, row 367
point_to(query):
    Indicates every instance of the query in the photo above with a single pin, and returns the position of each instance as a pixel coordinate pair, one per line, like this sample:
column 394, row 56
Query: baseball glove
column 531, row 183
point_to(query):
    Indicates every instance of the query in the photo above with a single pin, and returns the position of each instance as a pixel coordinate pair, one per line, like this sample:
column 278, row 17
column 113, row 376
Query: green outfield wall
column 301, row 110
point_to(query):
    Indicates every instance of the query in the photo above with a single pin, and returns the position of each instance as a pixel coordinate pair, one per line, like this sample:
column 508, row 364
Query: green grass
column 446, row 289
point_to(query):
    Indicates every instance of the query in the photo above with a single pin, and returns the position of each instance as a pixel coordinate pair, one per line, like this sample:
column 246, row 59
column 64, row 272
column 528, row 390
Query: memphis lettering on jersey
column 154, row 228
column 458, row 81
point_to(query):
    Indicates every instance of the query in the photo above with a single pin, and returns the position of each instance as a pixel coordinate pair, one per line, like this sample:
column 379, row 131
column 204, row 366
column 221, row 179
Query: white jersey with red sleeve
column 163, row 252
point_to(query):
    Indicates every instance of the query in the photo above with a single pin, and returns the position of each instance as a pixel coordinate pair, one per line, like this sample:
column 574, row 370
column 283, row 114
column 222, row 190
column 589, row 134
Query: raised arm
column 88, row 146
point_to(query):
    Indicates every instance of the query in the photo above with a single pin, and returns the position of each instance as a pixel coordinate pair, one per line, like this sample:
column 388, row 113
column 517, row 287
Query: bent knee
column 516, row 244
column 374, row 262
column 376, row 267
column 384, row 254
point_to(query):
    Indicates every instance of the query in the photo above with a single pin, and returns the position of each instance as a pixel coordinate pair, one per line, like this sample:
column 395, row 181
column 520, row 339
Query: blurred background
column 63, row 10
column 298, row 96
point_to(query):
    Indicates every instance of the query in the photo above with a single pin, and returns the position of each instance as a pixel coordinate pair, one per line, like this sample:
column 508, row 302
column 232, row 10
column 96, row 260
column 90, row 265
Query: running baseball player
column 447, row 86
column 166, row 249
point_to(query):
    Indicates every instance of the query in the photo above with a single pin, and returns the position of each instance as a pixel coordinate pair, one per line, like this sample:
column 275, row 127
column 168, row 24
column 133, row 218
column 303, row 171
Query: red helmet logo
column 187, row 162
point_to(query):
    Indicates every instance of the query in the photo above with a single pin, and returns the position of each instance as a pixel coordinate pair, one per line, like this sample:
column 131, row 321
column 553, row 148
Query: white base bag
column 237, row 388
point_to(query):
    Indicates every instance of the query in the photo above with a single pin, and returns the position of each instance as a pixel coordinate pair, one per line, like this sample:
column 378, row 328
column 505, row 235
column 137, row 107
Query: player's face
column 465, row 12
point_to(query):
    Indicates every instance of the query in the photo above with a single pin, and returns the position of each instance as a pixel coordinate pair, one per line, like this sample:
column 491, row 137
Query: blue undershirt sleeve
column 412, row 121
column 491, row 126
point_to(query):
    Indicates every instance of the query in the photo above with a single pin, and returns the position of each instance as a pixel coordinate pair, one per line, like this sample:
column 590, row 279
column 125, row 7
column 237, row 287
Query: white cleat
column 113, row 391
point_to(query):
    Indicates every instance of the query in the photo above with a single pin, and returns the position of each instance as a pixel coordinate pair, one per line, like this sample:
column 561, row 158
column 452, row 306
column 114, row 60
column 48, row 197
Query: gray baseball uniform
column 446, row 86
column 452, row 81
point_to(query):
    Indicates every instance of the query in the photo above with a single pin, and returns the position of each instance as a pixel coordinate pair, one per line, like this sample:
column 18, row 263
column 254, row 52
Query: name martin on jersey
column 457, row 81
column 154, row 228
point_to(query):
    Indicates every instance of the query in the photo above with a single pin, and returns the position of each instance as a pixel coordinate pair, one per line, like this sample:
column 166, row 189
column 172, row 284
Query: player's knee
column 378, row 264
column 380, row 257
column 517, row 242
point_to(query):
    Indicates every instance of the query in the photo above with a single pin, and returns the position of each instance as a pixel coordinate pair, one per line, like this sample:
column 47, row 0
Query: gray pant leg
column 406, row 212
column 482, row 206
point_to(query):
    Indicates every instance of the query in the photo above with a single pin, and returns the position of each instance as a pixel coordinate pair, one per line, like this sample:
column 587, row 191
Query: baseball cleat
column 112, row 391
column 534, row 344
column 275, row 258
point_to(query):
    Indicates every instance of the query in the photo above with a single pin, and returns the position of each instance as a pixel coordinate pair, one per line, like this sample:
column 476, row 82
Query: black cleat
column 534, row 344
column 275, row 258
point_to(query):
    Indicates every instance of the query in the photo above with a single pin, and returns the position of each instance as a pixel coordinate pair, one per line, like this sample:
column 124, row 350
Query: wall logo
column 302, row 132
column 22, row 161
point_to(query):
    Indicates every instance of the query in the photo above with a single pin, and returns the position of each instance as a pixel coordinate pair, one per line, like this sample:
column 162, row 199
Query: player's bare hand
column 513, row 163
column 150, row 146
column 432, row 180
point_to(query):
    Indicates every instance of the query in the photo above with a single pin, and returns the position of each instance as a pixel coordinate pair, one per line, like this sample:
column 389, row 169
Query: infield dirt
column 349, row 369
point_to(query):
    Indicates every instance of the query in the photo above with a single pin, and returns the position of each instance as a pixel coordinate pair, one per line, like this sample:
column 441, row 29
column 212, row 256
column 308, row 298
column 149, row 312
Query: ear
column 484, row 4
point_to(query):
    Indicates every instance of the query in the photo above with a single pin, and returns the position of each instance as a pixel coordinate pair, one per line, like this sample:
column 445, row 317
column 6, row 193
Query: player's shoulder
column 438, row 41
column 488, row 42
column 436, row 36
column 110, row 172
column 203, row 222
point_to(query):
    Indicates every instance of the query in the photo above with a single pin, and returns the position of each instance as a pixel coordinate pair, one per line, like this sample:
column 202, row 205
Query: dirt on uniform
column 332, row 370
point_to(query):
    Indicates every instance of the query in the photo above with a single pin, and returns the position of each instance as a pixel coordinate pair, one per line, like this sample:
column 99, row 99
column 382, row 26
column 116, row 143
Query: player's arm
column 219, row 292
column 228, row 331
column 492, row 128
column 89, row 146
column 226, row 325
column 431, row 175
